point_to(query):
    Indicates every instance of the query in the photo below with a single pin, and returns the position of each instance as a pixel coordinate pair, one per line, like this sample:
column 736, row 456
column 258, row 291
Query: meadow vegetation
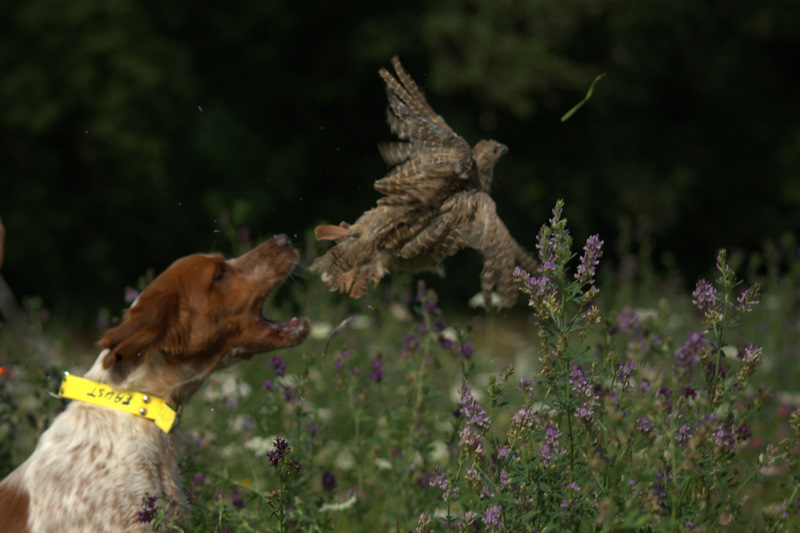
column 617, row 400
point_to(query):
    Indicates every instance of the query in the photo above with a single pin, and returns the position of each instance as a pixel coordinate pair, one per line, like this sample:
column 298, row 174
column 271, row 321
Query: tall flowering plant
column 622, row 427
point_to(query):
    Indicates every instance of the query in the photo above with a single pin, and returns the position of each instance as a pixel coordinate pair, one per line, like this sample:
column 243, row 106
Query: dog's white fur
column 92, row 468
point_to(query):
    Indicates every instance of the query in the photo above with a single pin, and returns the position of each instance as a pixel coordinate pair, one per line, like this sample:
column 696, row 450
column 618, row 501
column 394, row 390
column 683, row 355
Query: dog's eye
column 220, row 275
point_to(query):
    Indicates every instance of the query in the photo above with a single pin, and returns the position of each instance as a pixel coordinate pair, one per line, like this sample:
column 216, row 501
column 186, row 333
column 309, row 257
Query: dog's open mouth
column 288, row 333
column 282, row 258
column 295, row 328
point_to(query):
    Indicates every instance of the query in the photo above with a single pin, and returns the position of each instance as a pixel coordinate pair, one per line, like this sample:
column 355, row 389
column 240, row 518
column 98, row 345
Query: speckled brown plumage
column 435, row 201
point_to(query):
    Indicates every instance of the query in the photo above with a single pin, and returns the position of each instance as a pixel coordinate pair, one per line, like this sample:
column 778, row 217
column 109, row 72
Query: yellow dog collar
column 163, row 413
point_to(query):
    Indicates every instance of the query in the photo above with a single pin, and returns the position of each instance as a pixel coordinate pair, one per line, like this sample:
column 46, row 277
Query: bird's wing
column 432, row 158
column 480, row 227
column 446, row 232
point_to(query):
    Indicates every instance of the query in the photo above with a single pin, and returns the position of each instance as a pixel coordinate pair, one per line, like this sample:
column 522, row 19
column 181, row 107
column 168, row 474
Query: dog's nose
column 282, row 240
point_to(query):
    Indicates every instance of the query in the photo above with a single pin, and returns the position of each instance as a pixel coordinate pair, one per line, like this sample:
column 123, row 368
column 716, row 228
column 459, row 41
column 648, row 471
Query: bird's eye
column 221, row 273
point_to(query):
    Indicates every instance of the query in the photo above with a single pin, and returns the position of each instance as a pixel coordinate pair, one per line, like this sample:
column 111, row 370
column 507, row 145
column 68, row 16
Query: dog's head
column 200, row 314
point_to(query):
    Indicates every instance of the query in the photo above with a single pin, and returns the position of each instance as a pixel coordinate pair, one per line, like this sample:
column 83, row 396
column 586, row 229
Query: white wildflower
column 383, row 464
column 260, row 445
column 341, row 506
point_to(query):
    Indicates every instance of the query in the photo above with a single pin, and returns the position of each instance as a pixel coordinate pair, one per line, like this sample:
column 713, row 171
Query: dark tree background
column 131, row 131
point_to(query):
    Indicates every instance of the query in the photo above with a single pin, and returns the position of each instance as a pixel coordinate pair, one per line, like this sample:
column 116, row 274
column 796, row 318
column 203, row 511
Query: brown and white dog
column 93, row 466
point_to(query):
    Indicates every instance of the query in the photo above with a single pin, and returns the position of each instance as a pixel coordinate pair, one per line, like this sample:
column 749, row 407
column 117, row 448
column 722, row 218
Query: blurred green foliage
column 133, row 132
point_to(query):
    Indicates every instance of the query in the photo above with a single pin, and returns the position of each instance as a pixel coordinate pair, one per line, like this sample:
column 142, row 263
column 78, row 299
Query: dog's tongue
column 294, row 327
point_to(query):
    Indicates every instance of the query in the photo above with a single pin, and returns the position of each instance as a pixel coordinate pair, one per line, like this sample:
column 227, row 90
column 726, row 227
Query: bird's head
column 486, row 153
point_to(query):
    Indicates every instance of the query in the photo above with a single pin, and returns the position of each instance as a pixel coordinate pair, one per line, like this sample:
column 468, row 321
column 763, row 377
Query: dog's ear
column 147, row 327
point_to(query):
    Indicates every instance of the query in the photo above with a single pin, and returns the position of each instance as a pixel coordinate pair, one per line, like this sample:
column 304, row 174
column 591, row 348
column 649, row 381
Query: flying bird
column 435, row 201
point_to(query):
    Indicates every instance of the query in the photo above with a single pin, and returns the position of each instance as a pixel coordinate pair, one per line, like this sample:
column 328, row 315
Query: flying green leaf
column 577, row 106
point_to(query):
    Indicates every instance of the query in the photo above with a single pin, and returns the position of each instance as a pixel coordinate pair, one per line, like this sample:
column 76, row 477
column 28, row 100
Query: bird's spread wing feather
column 433, row 154
column 501, row 253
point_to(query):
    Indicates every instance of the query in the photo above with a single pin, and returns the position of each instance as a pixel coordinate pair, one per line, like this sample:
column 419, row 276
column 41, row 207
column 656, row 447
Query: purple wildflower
column 465, row 350
column 492, row 519
column 423, row 522
column 278, row 366
column 705, row 297
column 427, row 299
column 293, row 467
column 341, row 358
column 660, row 485
column 328, row 481
column 288, row 393
column 431, row 306
column 503, row 452
column 743, row 432
column 477, row 421
column 472, row 409
column 584, row 413
column 715, row 371
column 280, row 451
column 376, row 374
column 748, row 299
column 592, row 252
column 446, row 343
column 624, row 373
column 236, row 498
column 684, row 434
column 148, row 509
column 450, row 492
column 312, row 431
column 689, row 353
column 643, row 425
column 583, row 389
column 551, row 446
column 267, row 386
column 521, row 422
column 538, row 288
column 545, row 454
column 553, row 241
column 469, row 439
column 526, row 386
column 750, row 355
column 470, row 521
column 628, row 321
column 578, row 381
column 439, row 480
column 724, row 434
column 473, row 477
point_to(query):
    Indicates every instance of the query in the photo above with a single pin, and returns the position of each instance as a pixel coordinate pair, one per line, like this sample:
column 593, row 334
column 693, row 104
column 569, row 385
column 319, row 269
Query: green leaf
column 589, row 93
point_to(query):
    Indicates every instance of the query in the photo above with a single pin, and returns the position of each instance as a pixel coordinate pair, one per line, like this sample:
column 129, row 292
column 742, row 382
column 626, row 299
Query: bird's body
column 436, row 200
